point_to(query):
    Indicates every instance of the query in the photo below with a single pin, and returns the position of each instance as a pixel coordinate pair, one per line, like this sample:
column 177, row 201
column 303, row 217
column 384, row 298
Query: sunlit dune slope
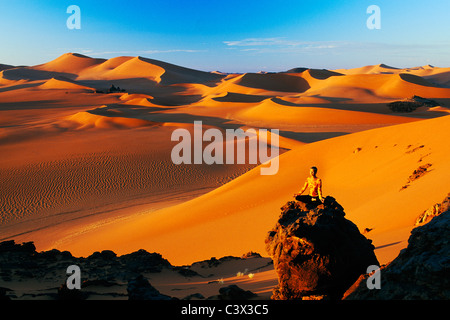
column 64, row 84
column 366, row 172
column 72, row 63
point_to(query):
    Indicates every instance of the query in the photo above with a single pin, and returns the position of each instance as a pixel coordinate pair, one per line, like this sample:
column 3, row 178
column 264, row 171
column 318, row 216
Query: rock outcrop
column 420, row 272
column 318, row 253
column 433, row 211
column 22, row 263
column 28, row 274
column 411, row 104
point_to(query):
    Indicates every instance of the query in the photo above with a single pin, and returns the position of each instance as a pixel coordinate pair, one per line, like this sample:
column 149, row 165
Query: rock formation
column 411, row 104
column 317, row 253
column 104, row 275
column 420, row 272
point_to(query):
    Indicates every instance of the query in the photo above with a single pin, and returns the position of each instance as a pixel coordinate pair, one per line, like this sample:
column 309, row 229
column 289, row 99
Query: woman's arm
column 319, row 190
column 304, row 187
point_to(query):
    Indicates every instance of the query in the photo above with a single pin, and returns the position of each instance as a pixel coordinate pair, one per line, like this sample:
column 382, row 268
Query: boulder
column 317, row 253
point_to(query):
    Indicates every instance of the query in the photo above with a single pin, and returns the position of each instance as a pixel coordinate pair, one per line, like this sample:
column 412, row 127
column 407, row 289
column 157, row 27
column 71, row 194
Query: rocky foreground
column 27, row 274
column 421, row 271
column 317, row 254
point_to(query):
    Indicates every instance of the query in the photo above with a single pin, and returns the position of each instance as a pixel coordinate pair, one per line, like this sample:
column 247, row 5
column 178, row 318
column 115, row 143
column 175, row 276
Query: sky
column 231, row 36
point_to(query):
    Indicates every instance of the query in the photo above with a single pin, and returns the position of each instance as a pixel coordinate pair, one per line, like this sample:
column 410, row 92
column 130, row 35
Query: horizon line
column 84, row 55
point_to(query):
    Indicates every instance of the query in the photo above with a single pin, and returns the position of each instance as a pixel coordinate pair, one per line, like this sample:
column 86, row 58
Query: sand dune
column 364, row 171
column 435, row 75
column 372, row 69
column 87, row 171
column 87, row 120
column 273, row 111
column 69, row 63
column 64, row 84
column 140, row 67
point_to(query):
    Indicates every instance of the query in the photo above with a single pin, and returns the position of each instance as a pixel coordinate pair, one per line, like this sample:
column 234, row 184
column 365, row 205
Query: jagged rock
column 433, row 211
column 420, row 272
column 317, row 252
column 113, row 89
column 251, row 254
column 140, row 289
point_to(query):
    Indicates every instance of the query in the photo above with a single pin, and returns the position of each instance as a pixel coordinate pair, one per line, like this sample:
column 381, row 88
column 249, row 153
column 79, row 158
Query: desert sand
column 85, row 168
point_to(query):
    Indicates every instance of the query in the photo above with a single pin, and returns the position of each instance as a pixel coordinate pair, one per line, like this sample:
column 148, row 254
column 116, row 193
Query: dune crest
column 61, row 83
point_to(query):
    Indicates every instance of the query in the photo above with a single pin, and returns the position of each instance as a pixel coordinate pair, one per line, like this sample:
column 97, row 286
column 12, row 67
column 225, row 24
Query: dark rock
column 140, row 289
column 233, row 292
column 250, row 254
column 55, row 255
column 194, row 296
column 214, row 262
column 11, row 246
column 98, row 283
column 317, row 252
column 104, row 255
column 433, row 211
column 186, row 272
column 3, row 293
column 113, row 89
column 420, row 272
column 143, row 261
column 65, row 293
column 411, row 104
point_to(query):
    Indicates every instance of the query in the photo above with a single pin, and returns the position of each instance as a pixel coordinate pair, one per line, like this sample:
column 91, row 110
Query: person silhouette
column 314, row 183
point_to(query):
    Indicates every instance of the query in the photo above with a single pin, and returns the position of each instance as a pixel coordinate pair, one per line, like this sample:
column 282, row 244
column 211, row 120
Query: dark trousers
column 311, row 202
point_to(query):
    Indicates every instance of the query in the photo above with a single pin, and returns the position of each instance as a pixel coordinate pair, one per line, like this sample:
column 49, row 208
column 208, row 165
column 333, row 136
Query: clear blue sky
column 231, row 36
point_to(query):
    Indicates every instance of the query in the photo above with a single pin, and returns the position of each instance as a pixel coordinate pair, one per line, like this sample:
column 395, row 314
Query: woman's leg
column 305, row 199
